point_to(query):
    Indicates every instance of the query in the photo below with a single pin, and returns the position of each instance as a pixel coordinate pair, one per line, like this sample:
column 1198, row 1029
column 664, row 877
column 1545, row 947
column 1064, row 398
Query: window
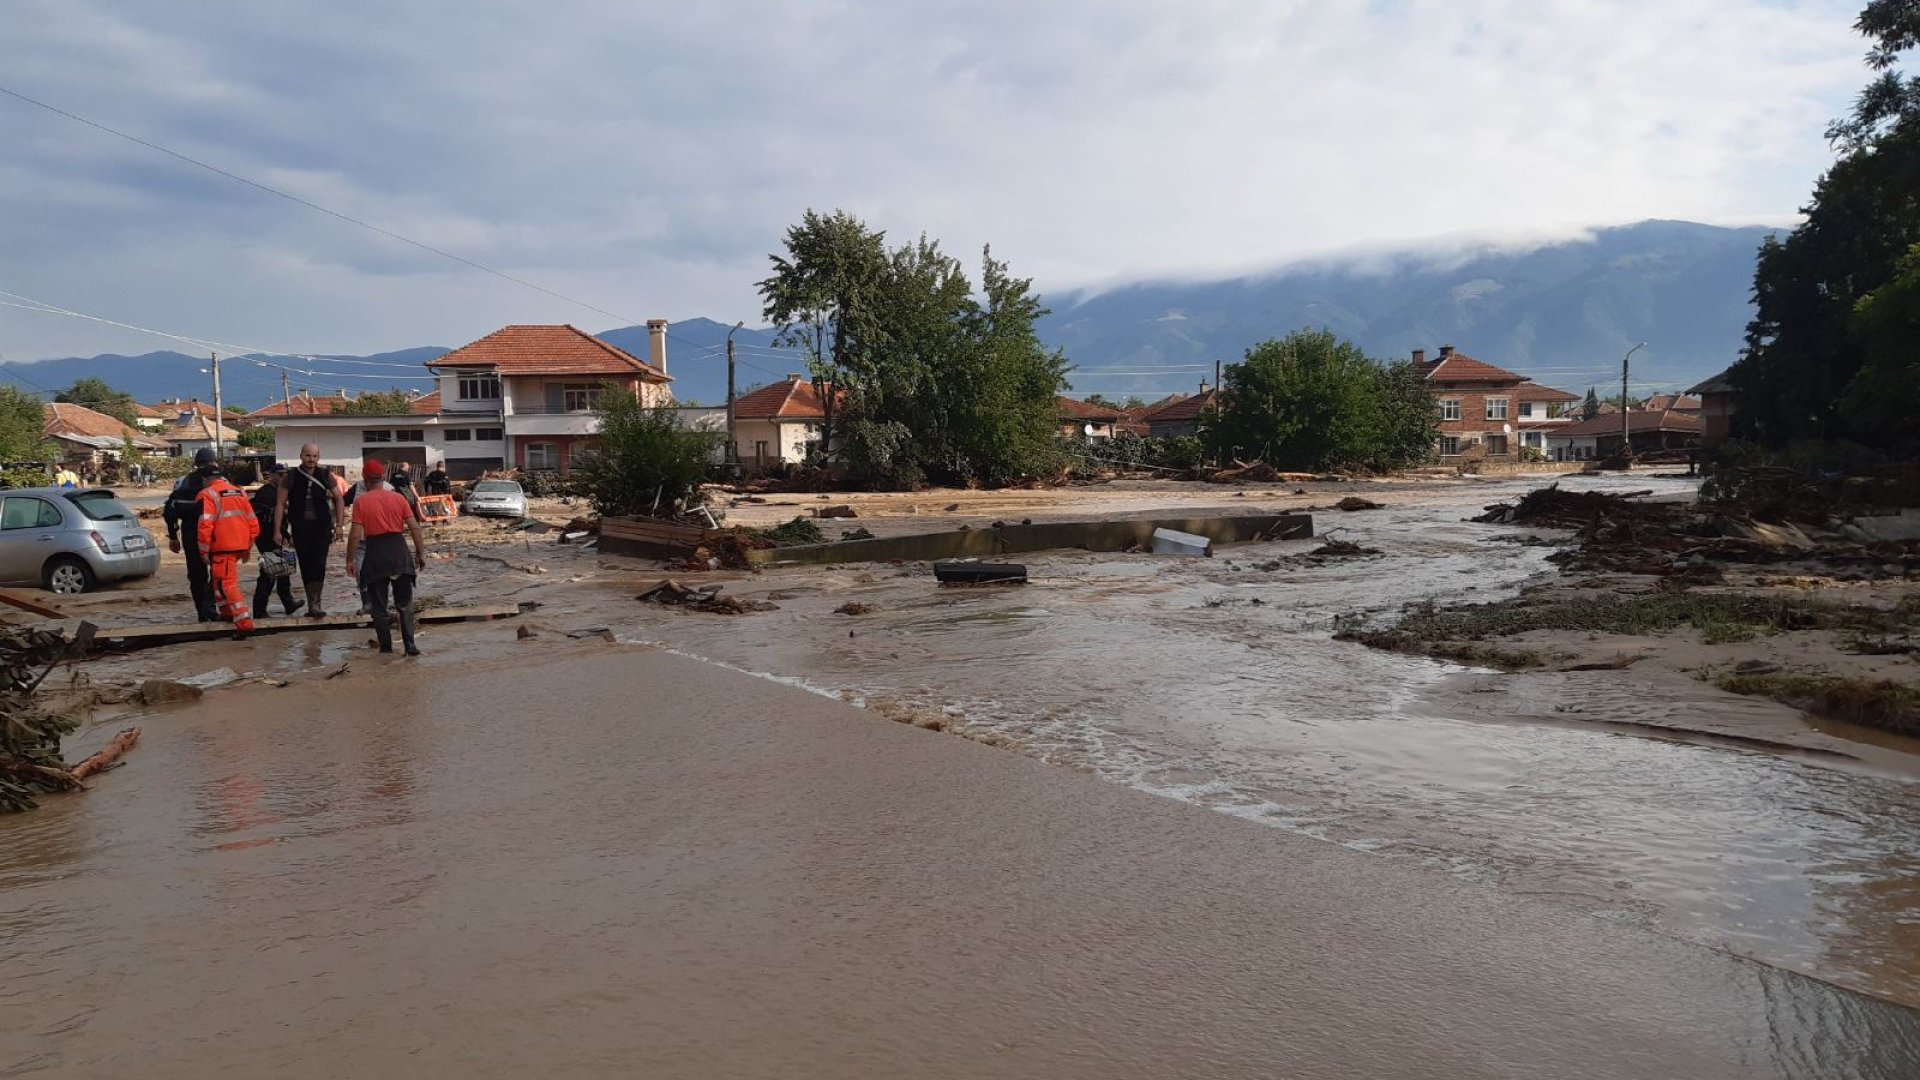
column 410, row 435
column 28, row 513
column 1496, row 444
column 1449, row 445
column 1449, row 408
column 376, row 436
column 487, row 434
column 479, row 388
column 457, row 434
column 1496, row 408
column 580, row 397
column 543, row 455
column 100, row 506
column 1526, row 409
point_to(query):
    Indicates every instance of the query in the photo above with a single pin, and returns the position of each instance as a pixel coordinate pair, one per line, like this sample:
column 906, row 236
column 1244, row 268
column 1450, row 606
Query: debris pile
column 30, row 761
column 1355, row 502
column 705, row 598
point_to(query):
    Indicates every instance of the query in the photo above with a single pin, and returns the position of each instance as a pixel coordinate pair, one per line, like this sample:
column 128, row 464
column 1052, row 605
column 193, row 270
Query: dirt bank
column 599, row 860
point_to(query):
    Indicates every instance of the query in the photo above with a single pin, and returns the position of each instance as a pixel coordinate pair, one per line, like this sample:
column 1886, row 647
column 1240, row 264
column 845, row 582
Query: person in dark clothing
column 266, row 501
column 377, row 544
column 438, row 482
column 183, row 513
column 310, row 511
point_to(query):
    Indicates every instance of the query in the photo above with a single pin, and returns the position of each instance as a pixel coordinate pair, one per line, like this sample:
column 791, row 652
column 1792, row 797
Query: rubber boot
column 383, row 630
column 406, row 630
column 314, row 589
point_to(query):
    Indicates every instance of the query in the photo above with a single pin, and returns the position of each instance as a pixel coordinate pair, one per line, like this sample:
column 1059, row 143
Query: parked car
column 498, row 498
column 67, row 540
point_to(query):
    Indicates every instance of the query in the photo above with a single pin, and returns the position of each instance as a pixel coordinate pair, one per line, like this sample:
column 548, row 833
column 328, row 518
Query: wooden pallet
column 651, row 537
column 127, row 638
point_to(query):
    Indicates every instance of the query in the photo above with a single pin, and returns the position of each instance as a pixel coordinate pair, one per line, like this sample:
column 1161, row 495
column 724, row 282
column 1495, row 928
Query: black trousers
column 264, row 590
column 310, row 544
column 197, row 581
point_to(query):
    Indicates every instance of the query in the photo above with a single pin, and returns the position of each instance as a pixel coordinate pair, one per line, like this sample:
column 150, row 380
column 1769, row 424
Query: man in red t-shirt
column 382, row 520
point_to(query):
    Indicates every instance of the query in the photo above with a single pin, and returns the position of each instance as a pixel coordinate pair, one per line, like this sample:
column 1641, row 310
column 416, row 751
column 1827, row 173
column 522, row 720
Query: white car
column 497, row 498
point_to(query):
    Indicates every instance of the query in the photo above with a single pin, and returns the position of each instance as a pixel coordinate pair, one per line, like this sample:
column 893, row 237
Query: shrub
column 645, row 459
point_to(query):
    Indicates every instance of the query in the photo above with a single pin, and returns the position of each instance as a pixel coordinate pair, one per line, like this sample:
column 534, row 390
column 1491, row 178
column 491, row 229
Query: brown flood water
column 606, row 861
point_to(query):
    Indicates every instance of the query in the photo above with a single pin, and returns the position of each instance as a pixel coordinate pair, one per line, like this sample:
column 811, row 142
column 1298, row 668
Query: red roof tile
column 1461, row 368
column 66, row 418
column 1530, row 391
column 1186, row 408
column 300, row 405
column 1637, row 420
column 1082, row 410
column 789, row 399
column 1659, row 402
column 547, row 350
column 427, row 404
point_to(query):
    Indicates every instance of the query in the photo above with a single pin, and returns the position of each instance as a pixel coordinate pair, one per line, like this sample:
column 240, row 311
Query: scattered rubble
column 841, row 511
column 705, row 598
column 853, row 607
column 167, row 692
column 856, row 534
column 1354, row 502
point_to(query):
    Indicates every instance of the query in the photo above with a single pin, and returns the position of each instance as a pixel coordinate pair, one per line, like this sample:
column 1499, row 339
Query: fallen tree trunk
column 100, row 759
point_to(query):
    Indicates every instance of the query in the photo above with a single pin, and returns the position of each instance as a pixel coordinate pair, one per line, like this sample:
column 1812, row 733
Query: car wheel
column 67, row 575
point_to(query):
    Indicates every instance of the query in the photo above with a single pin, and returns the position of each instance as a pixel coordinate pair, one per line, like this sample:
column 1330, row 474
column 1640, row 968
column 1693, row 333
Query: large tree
column 95, row 394
column 1831, row 338
column 23, row 426
column 1312, row 401
column 924, row 379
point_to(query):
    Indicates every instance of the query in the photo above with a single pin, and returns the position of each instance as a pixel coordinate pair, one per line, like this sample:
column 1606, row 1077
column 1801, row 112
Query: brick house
column 1488, row 410
column 1649, row 430
column 1716, row 407
column 1179, row 417
column 1080, row 419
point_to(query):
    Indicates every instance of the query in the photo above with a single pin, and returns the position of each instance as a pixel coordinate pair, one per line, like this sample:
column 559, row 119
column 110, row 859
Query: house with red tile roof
column 1179, row 416
column 1489, row 410
column 775, row 423
column 520, row 397
column 1648, row 429
column 1085, row 420
column 93, row 438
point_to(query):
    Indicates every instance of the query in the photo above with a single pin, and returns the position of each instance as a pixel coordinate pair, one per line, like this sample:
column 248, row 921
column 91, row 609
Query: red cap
column 373, row 470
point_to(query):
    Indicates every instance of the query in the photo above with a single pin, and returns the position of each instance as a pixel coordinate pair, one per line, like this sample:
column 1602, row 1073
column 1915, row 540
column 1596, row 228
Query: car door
column 25, row 542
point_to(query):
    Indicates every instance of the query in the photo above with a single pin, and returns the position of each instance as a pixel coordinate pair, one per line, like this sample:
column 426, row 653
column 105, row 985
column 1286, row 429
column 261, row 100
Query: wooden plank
column 29, row 602
column 141, row 637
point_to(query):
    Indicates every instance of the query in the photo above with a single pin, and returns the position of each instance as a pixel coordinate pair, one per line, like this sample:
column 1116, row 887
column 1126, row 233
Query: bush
column 645, row 459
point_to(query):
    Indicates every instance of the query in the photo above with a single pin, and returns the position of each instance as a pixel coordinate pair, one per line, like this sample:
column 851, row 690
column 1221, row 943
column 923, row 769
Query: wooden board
column 141, row 637
column 29, row 602
column 648, row 536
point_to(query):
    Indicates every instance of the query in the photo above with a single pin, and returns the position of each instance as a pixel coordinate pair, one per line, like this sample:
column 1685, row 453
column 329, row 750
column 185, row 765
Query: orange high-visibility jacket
column 227, row 523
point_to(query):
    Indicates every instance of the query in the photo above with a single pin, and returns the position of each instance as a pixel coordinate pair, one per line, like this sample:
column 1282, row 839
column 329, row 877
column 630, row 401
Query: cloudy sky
column 643, row 158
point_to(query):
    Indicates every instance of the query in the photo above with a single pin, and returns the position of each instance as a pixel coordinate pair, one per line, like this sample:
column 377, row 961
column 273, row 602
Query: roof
column 300, row 405
column 547, row 350
column 200, row 429
column 1083, row 410
column 1719, row 384
column 1458, row 367
column 172, row 410
column 66, row 418
column 1660, row 402
column 148, row 412
column 792, row 398
column 427, row 404
column 1182, row 409
column 1638, row 420
column 1532, row 391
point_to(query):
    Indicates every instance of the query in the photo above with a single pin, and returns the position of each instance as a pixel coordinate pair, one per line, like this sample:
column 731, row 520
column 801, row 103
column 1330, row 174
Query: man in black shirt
column 183, row 513
column 311, row 510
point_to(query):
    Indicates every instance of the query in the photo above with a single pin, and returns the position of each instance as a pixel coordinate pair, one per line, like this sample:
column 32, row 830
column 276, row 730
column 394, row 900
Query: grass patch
column 1874, row 703
column 1724, row 615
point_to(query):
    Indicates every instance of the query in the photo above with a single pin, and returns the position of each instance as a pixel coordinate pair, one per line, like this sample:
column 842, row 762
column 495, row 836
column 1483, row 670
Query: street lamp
column 1626, row 420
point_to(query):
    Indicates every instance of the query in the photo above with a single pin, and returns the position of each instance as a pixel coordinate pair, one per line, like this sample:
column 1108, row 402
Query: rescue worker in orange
column 227, row 532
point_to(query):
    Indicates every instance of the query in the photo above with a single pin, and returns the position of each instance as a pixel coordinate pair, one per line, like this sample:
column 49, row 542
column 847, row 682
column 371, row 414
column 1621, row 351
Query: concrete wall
column 342, row 448
column 1014, row 539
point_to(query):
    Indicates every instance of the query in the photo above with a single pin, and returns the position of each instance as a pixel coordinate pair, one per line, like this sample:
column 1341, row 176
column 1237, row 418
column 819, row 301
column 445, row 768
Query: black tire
column 66, row 575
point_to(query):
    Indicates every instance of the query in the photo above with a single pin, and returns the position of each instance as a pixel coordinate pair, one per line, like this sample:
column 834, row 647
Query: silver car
column 67, row 540
column 499, row 498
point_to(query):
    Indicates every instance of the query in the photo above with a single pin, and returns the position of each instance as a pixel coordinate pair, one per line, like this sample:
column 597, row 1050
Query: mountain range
column 1563, row 312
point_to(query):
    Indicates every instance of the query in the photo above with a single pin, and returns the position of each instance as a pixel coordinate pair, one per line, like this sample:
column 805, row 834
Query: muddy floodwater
column 1216, row 682
column 1185, row 834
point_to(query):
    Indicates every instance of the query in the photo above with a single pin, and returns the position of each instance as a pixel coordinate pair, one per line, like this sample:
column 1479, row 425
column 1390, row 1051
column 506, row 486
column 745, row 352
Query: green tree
column 379, row 403
column 1134, row 401
column 644, row 459
column 1827, row 296
column 95, row 394
column 1101, row 400
column 1590, row 408
column 1311, row 401
column 257, row 437
column 23, row 425
column 825, row 296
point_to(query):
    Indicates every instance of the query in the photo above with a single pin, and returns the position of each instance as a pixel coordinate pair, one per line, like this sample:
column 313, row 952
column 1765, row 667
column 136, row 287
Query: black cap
column 203, row 456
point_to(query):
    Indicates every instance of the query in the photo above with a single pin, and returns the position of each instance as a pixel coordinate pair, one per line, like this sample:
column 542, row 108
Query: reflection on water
column 1164, row 674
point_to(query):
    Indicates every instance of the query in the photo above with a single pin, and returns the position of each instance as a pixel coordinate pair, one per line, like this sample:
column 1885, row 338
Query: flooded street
column 545, row 856
column 1216, row 682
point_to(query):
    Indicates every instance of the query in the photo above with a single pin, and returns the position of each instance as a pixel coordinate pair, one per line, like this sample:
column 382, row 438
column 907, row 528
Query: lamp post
column 1626, row 421
column 733, row 436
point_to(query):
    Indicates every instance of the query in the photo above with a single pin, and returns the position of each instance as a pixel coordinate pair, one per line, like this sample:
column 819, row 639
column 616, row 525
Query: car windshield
column 101, row 506
column 496, row 487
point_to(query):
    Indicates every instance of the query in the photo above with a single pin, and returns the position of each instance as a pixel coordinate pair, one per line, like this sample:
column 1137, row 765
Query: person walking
column 274, row 575
column 311, row 511
column 382, row 521
column 438, row 482
column 182, row 512
column 228, row 531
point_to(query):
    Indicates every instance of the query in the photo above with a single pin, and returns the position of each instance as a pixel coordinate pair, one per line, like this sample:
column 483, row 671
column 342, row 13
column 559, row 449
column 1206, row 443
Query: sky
column 642, row 159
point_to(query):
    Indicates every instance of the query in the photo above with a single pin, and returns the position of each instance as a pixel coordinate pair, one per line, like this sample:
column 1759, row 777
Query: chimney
column 657, row 344
column 793, row 376
column 1446, row 351
column 1419, row 356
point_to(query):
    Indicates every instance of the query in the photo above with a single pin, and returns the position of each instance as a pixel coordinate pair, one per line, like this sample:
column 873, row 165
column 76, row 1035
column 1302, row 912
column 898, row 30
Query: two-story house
column 521, row 397
column 536, row 387
column 1489, row 408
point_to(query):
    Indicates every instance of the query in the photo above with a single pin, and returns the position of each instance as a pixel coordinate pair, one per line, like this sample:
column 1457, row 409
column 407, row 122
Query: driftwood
column 104, row 757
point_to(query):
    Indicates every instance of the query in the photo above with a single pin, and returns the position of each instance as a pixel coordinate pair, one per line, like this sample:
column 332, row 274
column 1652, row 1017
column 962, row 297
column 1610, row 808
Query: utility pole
column 219, row 435
column 1216, row 374
column 1626, row 421
column 733, row 435
column 286, row 395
